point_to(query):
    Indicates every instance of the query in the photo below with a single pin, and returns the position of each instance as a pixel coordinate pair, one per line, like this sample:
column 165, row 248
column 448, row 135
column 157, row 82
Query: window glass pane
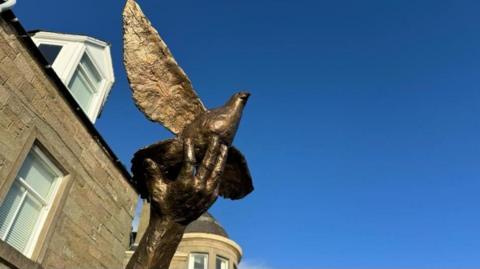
column 9, row 206
column 20, row 212
column 221, row 263
column 200, row 261
column 81, row 90
column 50, row 52
column 24, row 224
column 91, row 71
column 37, row 175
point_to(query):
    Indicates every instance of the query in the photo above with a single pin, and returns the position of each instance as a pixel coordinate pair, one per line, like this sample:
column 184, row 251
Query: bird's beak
column 245, row 96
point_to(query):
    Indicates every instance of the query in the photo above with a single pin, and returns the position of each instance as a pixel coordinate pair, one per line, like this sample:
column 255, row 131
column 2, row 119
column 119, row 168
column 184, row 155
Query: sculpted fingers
column 155, row 181
column 209, row 160
column 214, row 179
column 188, row 167
column 152, row 170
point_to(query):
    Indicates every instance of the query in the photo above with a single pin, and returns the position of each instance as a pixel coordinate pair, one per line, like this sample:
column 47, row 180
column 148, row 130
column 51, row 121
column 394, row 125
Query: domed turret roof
column 206, row 223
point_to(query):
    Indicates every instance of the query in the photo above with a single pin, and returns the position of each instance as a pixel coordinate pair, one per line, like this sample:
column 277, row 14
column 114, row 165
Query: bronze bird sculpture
column 164, row 93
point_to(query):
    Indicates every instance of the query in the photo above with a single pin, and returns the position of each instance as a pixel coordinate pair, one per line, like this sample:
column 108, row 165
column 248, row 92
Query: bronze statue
column 183, row 176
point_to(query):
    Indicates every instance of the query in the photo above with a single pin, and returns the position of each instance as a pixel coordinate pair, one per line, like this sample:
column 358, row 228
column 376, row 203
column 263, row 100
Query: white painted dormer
column 83, row 63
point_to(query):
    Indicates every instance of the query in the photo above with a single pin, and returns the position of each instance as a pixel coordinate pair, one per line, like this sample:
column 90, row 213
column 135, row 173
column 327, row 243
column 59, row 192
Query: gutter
column 7, row 5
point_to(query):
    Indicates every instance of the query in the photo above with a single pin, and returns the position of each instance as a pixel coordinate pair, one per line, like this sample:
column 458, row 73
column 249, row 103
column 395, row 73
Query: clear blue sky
column 362, row 133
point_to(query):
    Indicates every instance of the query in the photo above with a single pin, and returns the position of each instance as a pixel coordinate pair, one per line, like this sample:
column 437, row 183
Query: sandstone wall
column 90, row 224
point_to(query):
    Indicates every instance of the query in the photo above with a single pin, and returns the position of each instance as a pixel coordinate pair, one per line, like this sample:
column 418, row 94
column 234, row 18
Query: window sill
column 12, row 258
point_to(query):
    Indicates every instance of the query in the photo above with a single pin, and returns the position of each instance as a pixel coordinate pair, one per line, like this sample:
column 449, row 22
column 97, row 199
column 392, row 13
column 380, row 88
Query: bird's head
column 239, row 99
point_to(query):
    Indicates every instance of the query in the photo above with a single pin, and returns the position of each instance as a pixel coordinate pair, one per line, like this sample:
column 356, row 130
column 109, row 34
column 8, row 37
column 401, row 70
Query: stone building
column 65, row 198
column 206, row 245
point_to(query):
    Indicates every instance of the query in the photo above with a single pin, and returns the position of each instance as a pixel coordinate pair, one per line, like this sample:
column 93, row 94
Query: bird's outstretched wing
column 161, row 89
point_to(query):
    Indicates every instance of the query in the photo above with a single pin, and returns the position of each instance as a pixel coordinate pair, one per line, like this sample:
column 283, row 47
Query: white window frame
column 46, row 204
column 191, row 259
column 97, row 100
column 222, row 259
column 68, row 59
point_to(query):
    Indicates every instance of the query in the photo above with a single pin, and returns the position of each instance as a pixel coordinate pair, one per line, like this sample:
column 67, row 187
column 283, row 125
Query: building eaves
column 78, row 35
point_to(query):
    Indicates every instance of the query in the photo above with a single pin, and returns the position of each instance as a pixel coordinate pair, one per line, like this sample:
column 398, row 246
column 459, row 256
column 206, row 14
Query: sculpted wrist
column 158, row 244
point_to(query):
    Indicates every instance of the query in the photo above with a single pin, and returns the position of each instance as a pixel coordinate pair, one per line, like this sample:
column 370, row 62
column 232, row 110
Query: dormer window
column 85, row 83
column 84, row 64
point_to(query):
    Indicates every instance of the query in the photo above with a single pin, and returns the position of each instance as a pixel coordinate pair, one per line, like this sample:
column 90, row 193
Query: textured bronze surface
column 164, row 93
column 167, row 173
column 176, row 203
column 236, row 181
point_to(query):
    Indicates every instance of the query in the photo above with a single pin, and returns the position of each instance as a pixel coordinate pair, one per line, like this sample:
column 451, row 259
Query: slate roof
column 206, row 224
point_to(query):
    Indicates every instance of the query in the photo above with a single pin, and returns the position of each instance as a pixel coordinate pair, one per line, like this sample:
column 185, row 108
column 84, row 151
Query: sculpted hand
column 174, row 204
column 196, row 187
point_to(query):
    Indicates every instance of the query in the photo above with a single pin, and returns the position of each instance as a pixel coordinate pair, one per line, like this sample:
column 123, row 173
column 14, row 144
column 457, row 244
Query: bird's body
column 222, row 121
